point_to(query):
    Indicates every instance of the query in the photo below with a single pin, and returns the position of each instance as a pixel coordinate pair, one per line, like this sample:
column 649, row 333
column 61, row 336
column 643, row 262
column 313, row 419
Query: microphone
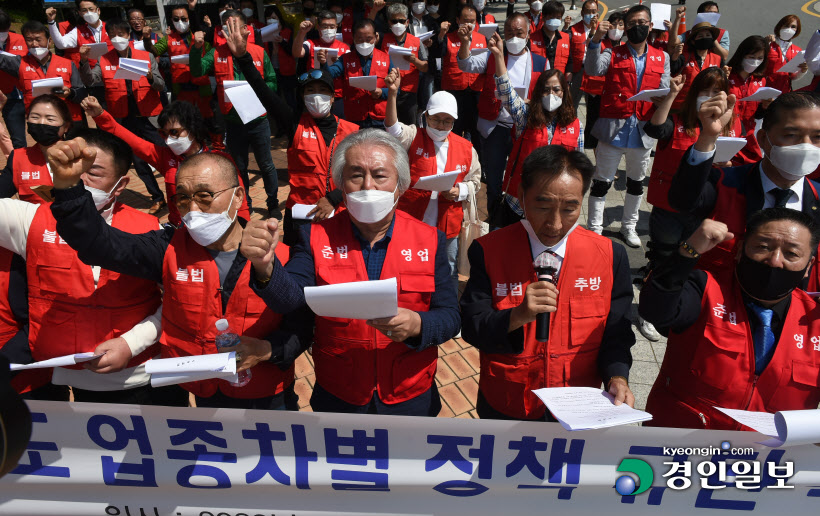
column 546, row 266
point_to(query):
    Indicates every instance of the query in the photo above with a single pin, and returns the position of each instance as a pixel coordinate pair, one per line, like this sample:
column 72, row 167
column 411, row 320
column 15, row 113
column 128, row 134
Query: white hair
column 394, row 9
column 372, row 137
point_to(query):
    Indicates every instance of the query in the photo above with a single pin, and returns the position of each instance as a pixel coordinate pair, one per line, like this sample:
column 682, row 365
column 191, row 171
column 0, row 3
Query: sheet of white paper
column 128, row 74
column 161, row 380
column 136, row 65
column 478, row 51
column 97, row 49
column 355, row 300
column 368, row 82
column 649, row 94
column 764, row 93
column 300, row 211
column 397, row 57
column 795, row 427
column 587, row 408
column 793, row 65
column 269, row 32
column 4, row 53
column 660, row 12
column 180, row 59
column 706, row 17
column 487, row 29
column 425, row 36
column 233, row 84
column 762, row 422
column 139, row 45
column 726, row 148
column 192, row 364
column 45, row 86
column 438, row 182
column 66, row 360
column 246, row 103
column 332, row 55
column 812, row 54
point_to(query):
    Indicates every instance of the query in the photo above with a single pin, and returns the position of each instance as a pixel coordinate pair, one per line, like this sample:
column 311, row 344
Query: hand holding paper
column 660, row 12
column 587, row 408
column 96, row 50
column 45, row 86
column 648, row 95
column 794, row 63
column 764, row 93
column 438, row 182
column 368, row 82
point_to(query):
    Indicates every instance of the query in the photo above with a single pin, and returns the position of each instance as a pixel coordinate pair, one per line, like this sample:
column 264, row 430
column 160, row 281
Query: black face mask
column 764, row 282
column 637, row 34
column 703, row 43
column 44, row 134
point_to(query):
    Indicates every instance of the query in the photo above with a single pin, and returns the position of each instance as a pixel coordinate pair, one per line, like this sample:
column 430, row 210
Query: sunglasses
column 309, row 76
column 178, row 19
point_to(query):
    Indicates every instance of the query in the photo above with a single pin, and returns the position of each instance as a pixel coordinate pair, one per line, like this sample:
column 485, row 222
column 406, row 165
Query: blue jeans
column 254, row 136
column 494, row 151
column 14, row 113
column 452, row 259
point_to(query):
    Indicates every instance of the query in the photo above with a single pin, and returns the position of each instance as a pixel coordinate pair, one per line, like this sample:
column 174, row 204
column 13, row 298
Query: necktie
column 763, row 336
column 781, row 196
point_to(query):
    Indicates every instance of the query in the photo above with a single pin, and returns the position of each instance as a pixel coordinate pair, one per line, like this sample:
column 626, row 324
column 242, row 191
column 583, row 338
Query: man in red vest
column 745, row 338
column 383, row 366
column 398, row 17
column 629, row 69
column 589, row 333
column 203, row 275
column 533, row 14
column 14, row 111
column 76, row 308
column 131, row 102
column 549, row 41
column 580, row 34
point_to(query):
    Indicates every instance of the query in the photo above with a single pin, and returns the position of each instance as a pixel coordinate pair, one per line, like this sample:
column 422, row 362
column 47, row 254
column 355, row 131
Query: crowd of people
column 375, row 98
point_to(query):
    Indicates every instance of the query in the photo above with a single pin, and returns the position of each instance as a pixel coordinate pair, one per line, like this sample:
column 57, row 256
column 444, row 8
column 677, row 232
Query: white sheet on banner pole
column 65, row 360
column 786, row 428
column 164, row 380
column 355, row 300
column 587, row 408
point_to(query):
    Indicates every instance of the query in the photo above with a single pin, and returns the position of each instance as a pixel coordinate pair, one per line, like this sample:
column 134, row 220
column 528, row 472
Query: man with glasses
column 629, row 69
column 202, row 273
column 397, row 16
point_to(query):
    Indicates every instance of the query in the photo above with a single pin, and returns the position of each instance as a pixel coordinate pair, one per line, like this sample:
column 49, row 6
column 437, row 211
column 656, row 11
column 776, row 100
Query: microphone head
column 545, row 260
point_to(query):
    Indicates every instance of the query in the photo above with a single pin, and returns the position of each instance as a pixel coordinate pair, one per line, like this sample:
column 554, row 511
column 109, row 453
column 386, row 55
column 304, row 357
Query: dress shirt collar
column 537, row 247
column 387, row 237
column 767, row 184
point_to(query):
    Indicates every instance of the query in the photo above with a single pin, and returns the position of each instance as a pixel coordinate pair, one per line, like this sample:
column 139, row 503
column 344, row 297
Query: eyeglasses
column 309, row 76
column 633, row 23
column 203, row 198
column 443, row 124
column 175, row 132
column 554, row 89
column 136, row 19
column 178, row 19
column 393, row 22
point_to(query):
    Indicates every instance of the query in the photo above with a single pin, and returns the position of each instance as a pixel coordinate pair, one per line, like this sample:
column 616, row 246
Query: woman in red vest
column 49, row 119
column 689, row 58
column 588, row 332
column 781, row 51
column 748, row 74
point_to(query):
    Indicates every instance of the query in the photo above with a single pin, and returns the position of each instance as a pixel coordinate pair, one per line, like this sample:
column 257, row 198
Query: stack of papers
column 332, row 56
column 132, row 69
column 726, row 148
column 355, row 300
column 300, row 211
column 397, row 57
column 660, row 12
column 787, row 427
column 171, row 371
column 764, row 93
column 65, row 360
column 648, row 95
column 793, row 65
column 244, row 100
column 707, row 17
column 587, row 408
column 368, row 82
column 425, row 36
column 45, row 86
column 437, row 183
column 97, row 50
column 269, row 32
column 487, row 29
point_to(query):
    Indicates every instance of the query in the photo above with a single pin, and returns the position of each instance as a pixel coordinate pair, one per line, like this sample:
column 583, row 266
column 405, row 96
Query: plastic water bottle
column 225, row 338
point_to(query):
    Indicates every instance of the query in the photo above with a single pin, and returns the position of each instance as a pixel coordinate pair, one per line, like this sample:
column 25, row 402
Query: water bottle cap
column 222, row 324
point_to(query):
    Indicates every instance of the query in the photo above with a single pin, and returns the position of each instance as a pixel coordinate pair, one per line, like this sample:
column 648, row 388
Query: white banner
column 126, row 460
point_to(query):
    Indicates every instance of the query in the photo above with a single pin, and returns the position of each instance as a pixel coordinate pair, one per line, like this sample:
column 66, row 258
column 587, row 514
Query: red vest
column 346, row 28
column 116, row 92
column 352, row 359
column 535, row 27
column 743, row 88
column 30, row 169
column 409, row 78
column 86, row 37
column 594, row 84
column 30, row 70
column 661, row 42
column 578, row 46
column 219, row 36
column 489, row 106
column 690, row 70
column 570, row 358
column 539, row 43
column 194, row 303
column 422, row 154
column 223, row 70
column 66, row 313
column 358, row 103
column 453, row 79
column 287, row 64
column 309, row 160
column 712, row 363
column 69, row 53
column 181, row 73
column 9, row 326
column 530, row 140
column 16, row 45
column 779, row 80
column 338, row 82
column 621, row 84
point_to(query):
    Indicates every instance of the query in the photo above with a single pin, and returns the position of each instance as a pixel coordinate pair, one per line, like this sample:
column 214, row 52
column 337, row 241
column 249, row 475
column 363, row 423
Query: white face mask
column 794, row 162
column 787, row 34
column 119, row 43
column 418, row 7
column 91, row 18
column 101, row 197
column 179, row 145
column 38, row 52
column 432, row 9
column 537, row 6
column 398, row 29
column 318, row 104
column 328, row 35
column 551, row 102
column 181, row 26
column 364, row 49
column 3, row 37
column 750, row 65
column 437, row 135
column 370, row 206
column 553, row 24
column 207, row 228
column 479, row 4
column 699, row 101
column 515, row 45
column 339, row 18
column 247, row 12
column 615, row 34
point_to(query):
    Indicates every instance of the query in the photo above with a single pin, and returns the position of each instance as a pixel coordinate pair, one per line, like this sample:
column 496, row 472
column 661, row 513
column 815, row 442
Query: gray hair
column 397, row 8
column 372, row 137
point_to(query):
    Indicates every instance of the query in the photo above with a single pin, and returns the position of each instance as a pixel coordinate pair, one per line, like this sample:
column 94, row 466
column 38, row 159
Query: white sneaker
column 631, row 237
column 648, row 330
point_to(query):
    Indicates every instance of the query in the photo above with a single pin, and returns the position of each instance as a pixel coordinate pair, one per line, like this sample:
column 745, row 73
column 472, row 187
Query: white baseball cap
column 442, row 102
